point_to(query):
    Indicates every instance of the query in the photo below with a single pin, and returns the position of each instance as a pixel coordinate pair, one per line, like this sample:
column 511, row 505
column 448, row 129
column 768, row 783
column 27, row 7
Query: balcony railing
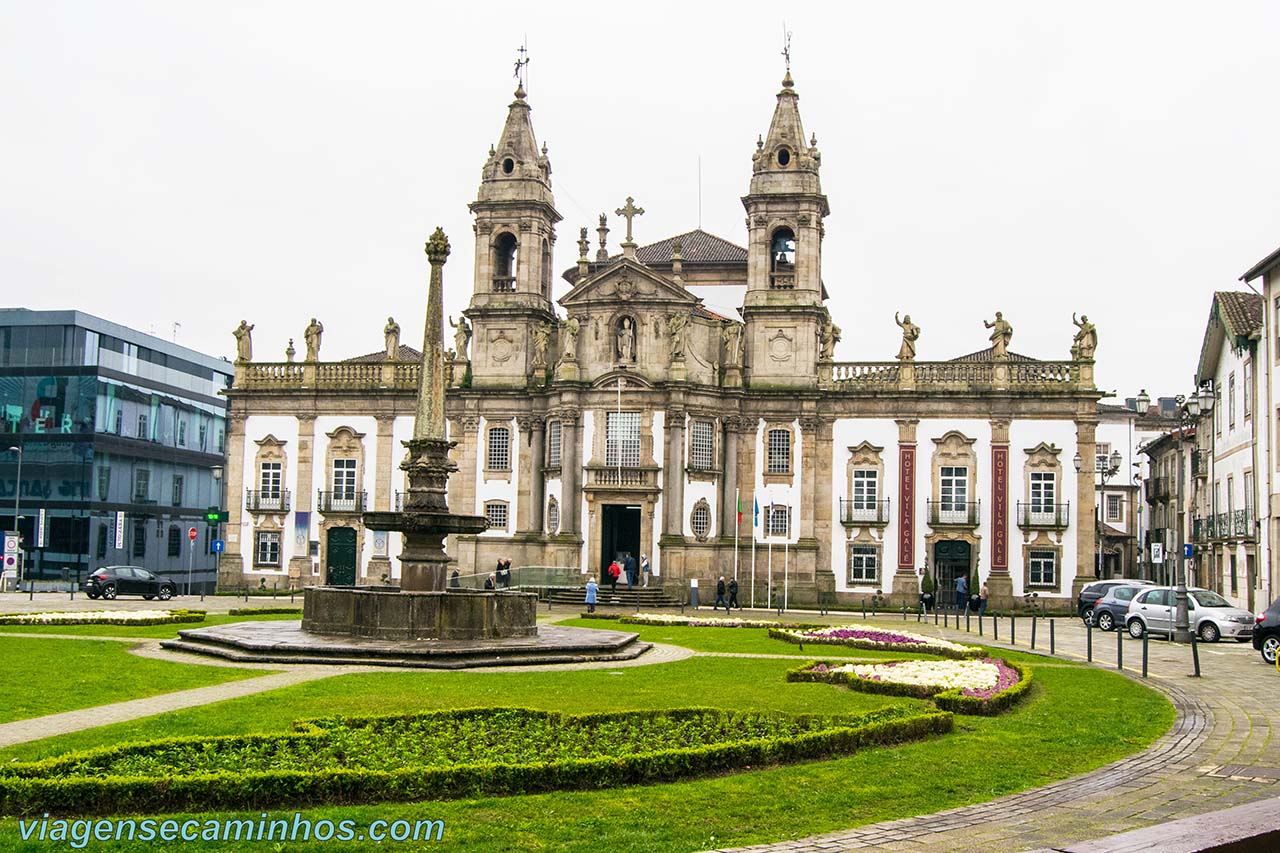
column 1238, row 524
column 954, row 513
column 1242, row 524
column 615, row 477
column 1199, row 463
column 864, row 513
column 1044, row 516
column 267, row 501
column 504, row 284
column 1201, row 529
column 344, row 501
column 1157, row 488
column 782, row 281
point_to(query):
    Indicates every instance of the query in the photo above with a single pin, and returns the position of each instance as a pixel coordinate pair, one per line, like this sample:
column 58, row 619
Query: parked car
column 1113, row 608
column 1209, row 615
column 1266, row 632
column 1093, row 593
column 110, row 581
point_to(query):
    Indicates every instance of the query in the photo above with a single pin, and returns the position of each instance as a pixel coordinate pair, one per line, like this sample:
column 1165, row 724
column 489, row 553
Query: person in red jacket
column 615, row 571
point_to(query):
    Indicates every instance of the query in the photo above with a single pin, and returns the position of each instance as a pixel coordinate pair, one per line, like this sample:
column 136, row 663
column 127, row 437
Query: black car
column 1266, row 632
column 1091, row 594
column 110, row 581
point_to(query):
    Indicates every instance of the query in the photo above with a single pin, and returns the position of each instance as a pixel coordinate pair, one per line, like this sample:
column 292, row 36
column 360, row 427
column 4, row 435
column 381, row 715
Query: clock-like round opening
column 508, row 166
column 784, row 156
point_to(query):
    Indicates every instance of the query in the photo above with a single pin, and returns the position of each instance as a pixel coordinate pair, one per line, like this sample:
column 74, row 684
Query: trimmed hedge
column 948, row 700
column 614, row 616
column 45, row 786
column 922, row 648
column 261, row 611
column 175, row 616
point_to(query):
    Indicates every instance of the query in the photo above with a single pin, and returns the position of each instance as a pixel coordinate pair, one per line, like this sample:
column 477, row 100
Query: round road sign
column 191, row 533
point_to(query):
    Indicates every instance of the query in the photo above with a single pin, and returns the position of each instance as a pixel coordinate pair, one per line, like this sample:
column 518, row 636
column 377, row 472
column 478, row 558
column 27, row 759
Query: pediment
column 627, row 283
column 629, row 379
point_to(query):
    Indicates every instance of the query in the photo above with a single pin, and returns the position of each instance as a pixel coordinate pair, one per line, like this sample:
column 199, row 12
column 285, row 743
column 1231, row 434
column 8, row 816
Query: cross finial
column 629, row 211
column 522, row 63
column 786, row 46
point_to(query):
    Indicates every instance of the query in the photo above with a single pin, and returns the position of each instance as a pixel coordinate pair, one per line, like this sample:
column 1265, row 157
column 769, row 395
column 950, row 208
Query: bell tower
column 785, row 206
column 515, row 219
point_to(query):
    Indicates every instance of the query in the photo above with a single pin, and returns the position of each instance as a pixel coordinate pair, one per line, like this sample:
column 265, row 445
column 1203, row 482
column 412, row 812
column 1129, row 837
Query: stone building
column 636, row 414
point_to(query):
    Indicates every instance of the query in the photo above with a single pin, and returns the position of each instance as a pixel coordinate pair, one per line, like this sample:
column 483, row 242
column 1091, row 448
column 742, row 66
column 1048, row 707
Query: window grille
column 268, row 550
column 702, row 449
column 1043, row 568
column 700, row 520
column 863, row 564
column 779, row 451
column 553, row 515
column 553, row 444
column 175, row 541
column 499, row 452
column 622, row 439
column 495, row 512
column 778, row 520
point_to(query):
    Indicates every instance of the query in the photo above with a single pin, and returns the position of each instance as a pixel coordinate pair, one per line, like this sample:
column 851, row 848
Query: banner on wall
column 301, row 528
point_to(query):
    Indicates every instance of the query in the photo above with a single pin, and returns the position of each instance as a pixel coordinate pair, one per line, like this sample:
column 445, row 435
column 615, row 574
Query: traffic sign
column 1188, row 550
column 191, row 533
column 217, row 546
column 1157, row 552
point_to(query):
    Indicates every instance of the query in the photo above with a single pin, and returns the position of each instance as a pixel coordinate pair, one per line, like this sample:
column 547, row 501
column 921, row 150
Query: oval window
column 784, row 156
column 508, row 166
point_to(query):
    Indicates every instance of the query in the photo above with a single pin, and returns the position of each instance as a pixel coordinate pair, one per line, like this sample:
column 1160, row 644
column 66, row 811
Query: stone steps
column 640, row 599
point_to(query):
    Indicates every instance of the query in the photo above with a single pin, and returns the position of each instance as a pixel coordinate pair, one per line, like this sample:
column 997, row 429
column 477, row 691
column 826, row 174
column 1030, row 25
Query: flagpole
column 737, row 504
column 755, row 522
column 786, row 562
column 768, row 533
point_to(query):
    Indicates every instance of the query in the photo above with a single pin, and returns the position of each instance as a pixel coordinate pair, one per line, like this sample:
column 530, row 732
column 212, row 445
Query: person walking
column 733, row 595
column 614, row 571
column 962, row 592
column 720, row 589
column 644, row 570
column 593, row 590
column 983, row 595
column 499, row 573
column 629, row 564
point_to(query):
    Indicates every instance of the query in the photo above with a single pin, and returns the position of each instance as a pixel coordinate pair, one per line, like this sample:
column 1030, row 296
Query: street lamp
column 1189, row 409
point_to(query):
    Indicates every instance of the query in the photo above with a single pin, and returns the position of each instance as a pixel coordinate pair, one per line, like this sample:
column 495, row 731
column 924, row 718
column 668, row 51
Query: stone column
column 231, row 560
column 747, row 427
column 998, row 579
column 532, row 497
column 822, row 521
column 729, row 465
column 570, row 471
column 808, row 474
column 673, row 424
column 300, row 562
column 906, row 579
column 1086, row 519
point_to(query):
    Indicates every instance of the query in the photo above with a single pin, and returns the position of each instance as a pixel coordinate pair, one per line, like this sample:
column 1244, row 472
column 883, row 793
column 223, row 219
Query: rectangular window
column 1231, row 495
column 779, row 447
column 267, row 552
column 495, row 512
column 178, row 482
column 1235, row 583
column 1102, row 456
column 119, row 425
column 104, row 482
column 1248, row 495
column 102, row 542
column 202, row 434
column 778, row 520
column 953, row 492
column 1115, row 510
column 1246, row 395
column 139, row 539
column 622, row 439
column 269, row 479
column 1231, row 401
column 702, row 446
column 344, row 485
column 141, row 485
column 865, row 489
column 1217, row 411
column 1043, row 568
column 1043, row 492
column 182, row 432
column 862, row 564
column 175, row 541
column 498, row 457
column 143, row 428
column 553, row 444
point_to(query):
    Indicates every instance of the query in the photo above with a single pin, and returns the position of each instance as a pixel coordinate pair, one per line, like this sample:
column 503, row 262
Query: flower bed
column 985, row 686
column 698, row 621
column 866, row 637
column 103, row 617
column 437, row 755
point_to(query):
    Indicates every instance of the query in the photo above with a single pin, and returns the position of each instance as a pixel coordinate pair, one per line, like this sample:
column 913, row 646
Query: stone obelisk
column 426, row 520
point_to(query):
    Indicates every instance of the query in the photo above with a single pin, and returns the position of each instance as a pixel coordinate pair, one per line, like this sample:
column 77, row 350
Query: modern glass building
column 121, row 438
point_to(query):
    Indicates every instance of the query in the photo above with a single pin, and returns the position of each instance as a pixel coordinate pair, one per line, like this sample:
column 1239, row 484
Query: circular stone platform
column 389, row 613
column 287, row 642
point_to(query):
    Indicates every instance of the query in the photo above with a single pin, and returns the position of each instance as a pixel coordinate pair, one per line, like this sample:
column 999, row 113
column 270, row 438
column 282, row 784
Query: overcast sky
column 201, row 164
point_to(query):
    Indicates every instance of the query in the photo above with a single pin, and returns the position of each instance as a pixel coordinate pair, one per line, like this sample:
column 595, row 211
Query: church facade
column 638, row 414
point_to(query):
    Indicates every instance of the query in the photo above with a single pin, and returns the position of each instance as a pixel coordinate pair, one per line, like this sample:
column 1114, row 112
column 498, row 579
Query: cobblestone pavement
column 1220, row 753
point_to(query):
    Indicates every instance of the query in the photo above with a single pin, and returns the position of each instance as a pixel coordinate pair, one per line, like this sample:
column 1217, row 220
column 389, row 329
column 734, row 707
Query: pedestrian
column 455, row 579
column 489, row 583
column 983, row 595
column 962, row 591
column 592, row 590
column 720, row 589
column 733, row 594
column 644, row 569
column 629, row 563
column 615, row 571
column 499, row 573
column 506, row 573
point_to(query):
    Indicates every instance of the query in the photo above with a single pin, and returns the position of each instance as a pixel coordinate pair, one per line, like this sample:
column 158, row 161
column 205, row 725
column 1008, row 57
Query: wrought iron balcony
column 1044, row 516
column 267, row 501
column 1200, row 463
column 1201, row 529
column 1242, row 524
column 343, row 501
column 954, row 513
column 864, row 513
column 1157, row 488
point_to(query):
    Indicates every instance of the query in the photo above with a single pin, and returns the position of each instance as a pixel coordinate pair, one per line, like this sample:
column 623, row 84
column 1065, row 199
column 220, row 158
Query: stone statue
column 1086, row 339
column 290, row 352
column 626, row 341
column 312, row 336
column 569, row 338
column 541, row 333
column 244, row 343
column 732, row 337
column 1000, row 337
column 461, row 336
column 830, row 337
column 910, row 334
column 677, row 325
column 391, row 332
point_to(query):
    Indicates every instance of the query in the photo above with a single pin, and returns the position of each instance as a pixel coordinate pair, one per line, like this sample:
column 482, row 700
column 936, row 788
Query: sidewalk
column 1220, row 753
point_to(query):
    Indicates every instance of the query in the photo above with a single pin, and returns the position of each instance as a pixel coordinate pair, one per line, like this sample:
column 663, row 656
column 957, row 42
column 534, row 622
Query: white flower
column 696, row 621
column 81, row 616
column 940, row 674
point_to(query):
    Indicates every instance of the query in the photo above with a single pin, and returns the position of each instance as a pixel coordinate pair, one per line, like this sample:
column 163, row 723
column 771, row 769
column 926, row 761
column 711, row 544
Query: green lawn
column 141, row 631
column 1076, row 719
column 42, row 676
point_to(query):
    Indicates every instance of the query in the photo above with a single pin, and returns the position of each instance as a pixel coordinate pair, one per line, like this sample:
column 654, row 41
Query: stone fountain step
column 286, row 642
column 636, row 598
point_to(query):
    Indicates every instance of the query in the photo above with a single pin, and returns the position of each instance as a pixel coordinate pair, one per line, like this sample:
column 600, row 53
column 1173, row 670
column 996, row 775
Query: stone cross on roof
column 629, row 212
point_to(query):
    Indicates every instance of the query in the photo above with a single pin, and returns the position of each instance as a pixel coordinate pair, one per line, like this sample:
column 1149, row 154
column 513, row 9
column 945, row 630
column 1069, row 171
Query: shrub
column 262, row 611
column 104, row 617
column 877, row 638
column 953, row 700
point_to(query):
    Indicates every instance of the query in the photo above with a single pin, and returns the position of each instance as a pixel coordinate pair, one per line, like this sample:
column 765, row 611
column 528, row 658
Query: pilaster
column 729, row 465
column 530, row 500
column 570, row 470
column 905, row 579
column 674, row 480
column 300, row 561
column 998, row 580
column 1086, row 518
column 231, row 561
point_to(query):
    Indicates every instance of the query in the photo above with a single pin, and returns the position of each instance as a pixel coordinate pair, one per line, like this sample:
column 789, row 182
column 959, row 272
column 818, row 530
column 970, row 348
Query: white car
column 1210, row 615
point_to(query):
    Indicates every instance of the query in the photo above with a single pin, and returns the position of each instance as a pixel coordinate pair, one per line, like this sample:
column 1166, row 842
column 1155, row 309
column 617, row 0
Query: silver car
column 1210, row 615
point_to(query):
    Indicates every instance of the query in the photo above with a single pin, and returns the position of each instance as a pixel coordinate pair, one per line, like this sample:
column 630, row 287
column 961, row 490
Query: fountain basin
column 388, row 613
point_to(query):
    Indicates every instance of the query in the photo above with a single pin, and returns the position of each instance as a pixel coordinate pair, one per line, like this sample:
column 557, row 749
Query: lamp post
column 17, row 492
column 1189, row 410
column 1108, row 469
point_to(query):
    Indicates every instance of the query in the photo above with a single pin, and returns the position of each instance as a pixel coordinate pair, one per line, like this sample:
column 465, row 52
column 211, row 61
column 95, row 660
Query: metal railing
column 267, row 501
column 954, row 513
column 344, row 501
column 614, row 476
column 864, row 512
column 1038, row 516
column 1157, row 488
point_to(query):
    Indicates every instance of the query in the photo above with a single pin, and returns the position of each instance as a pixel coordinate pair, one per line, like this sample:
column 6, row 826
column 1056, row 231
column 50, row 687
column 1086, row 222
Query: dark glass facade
column 120, row 434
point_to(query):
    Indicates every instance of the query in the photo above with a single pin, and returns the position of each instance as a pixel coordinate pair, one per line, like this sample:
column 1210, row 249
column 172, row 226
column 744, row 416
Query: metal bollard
column 1120, row 649
column 995, row 628
column 864, row 606
column 1013, row 630
column 1145, row 640
column 904, row 611
column 1052, row 644
column 1033, row 629
column 291, row 593
column 31, row 590
column 935, row 613
column 979, row 624
column 967, row 615
column 1195, row 654
column 1088, row 640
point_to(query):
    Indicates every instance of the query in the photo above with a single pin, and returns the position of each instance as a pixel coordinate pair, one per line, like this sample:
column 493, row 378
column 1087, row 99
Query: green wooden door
column 340, row 560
